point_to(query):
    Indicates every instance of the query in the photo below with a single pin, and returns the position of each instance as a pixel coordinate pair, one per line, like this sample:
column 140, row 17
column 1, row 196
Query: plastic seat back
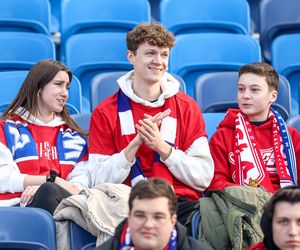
column 21, row 50
column 277, row 17
column 92, row 53
column 105, row 84
column 196, row 54
column 83, row 120
column 294, row 121
column 26, row 228
column 80, row 238
column 192, row 16
column 286, row 60
column 210, row 100
column 212, row 121
column 104, row 15
column 26, row 16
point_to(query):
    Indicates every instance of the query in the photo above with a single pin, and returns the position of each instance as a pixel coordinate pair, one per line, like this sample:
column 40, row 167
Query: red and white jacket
column 34, row 148
column 190, row 163
column 222, row 149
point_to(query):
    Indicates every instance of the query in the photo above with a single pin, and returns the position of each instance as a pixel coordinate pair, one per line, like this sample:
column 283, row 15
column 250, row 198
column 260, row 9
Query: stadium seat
column 25, row 16
column 212, row 121
column 83, row 120
column 196, row 54
column 210, row 100
column 21, row 50
column 294, row 121
column 254, row 15
column 105, row 84
column 80, row 16
column 286, row 60
column 277, row 17
column 192, row 16
column 81, row 239
column 11, row 81
column 26, row 228
column 92, row 53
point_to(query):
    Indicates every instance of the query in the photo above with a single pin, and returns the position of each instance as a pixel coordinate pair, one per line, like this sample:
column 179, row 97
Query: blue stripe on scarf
column 288, row 147
column 136, row 172
column 123, row 102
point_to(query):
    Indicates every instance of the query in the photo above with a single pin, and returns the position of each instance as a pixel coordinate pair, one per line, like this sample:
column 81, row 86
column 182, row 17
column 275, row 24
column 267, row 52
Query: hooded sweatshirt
column 222, row 149
column 189, row 163
column 31, row 147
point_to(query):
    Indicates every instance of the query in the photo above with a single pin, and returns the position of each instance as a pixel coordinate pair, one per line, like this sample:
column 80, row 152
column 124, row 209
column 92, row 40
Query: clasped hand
column 149, row 133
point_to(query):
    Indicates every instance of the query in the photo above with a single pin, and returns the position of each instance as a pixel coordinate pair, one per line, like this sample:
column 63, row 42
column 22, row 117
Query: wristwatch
column 52, row 176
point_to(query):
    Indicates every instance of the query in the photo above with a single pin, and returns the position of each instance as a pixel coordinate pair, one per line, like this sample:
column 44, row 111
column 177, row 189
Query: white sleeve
column 194, row 167
column 80, row 175
column 11, row 180
column 109, row 168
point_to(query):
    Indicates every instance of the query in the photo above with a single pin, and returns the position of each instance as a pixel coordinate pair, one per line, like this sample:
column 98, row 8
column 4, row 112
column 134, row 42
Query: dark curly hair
column 153, row 33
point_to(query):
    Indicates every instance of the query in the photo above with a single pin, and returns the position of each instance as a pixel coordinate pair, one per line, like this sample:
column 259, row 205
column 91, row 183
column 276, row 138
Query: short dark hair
column 262, row 69
column 153, row 33
column 289, row 194
column 151, row 189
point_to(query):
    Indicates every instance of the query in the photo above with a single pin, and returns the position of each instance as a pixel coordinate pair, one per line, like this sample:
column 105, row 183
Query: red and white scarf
column 250, row 167
column 168, row 130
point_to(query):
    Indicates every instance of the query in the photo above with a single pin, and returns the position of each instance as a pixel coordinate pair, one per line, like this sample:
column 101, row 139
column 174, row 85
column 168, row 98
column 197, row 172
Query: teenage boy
column 149, row 128
column 152, row 221
column 252, row 145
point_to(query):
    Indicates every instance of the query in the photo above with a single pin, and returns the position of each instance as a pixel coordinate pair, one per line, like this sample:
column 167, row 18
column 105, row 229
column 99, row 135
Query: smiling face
column 150, row 63
column 151, row 223
column 286, row 225
column 255, row 97
column 53, row 96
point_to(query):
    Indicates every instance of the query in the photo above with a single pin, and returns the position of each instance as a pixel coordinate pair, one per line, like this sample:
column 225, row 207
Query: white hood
column 57, row 121
column 169, row 87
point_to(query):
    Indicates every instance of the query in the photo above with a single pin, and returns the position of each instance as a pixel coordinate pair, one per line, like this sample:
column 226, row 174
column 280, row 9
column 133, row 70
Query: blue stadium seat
column 80, row 238
column 212, row 121
column 92, row 53
column 286, row 60
column 26, row 228
column 11, row 81
column 196, row 54
column 25, row 16
column 192, row 16
column 210, row 100
column 277, row 17
column 105, row 84
column 80, row 16
column 21, row 50
column 294, row 121
column 254, row 15
column 83, row 120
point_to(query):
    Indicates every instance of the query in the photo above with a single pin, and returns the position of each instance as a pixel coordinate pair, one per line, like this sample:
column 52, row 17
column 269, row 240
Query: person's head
column 152, row 214
column 257, row 90
column 149, row 46
column 280, row 220
column 44, row 92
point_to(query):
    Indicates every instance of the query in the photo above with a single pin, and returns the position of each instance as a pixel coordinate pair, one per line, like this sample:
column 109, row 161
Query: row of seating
column 105, row 84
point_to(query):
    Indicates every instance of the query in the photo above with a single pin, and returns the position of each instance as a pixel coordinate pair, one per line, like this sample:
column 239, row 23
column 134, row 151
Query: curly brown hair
column 153, row 33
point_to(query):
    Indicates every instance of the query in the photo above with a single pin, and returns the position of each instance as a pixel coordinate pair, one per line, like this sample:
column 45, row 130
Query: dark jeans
column 48, row 196
column 185, row 208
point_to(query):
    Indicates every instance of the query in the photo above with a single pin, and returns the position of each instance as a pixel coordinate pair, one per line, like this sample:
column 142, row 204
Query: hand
column 149, row 132
column 27, row 195
column 70, row 187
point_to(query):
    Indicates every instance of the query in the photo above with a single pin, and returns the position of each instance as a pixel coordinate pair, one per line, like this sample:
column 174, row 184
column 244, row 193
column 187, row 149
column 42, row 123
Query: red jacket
column 222, row 149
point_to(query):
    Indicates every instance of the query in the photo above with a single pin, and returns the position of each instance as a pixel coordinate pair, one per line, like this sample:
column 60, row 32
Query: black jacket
column 184, row 242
